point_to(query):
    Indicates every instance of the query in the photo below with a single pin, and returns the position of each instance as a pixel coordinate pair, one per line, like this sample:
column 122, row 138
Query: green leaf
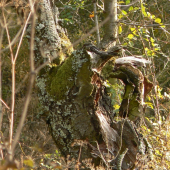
column 127, row 2
column 124, row 12
column 131, row 8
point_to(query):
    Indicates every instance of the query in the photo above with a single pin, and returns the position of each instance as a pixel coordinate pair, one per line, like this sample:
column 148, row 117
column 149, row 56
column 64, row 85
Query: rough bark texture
column 136, row 88
column 75, row 103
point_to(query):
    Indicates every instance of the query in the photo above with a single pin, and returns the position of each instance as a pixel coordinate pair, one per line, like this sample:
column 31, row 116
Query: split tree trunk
column 74, row 101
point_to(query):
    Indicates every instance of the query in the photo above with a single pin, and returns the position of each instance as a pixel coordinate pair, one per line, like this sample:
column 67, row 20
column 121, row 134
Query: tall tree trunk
column 74, row 100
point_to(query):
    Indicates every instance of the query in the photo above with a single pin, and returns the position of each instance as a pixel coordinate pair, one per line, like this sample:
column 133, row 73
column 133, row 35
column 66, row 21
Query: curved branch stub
column 136, row 85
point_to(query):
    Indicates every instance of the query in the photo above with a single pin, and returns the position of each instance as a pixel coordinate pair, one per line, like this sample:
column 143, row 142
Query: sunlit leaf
column 149, row 104
column 146, row 49
column 127, row 2
column 120, row 16
column 131, row 8
column 130, row 36
column 153, row 16
column 116, row 106
column 120, row 29
column 132, row 29
column 158, row 152
column 158, row 20
column 143, row 10
column 156, row 49
column 152, row 40
column 124, row 12
column 121, row 2
column 163, row 26
column 149, row 98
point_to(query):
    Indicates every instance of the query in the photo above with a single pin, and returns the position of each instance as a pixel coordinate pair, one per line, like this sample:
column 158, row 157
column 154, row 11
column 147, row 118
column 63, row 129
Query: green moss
column 75, row 71
column 61, row 79
column 107, row 70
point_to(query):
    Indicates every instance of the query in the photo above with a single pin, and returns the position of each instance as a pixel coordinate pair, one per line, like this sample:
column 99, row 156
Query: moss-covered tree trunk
column 74, row 100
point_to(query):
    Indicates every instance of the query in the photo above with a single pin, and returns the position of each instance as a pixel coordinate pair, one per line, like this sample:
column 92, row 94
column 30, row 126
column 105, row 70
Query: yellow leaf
column 149, row 98
column 130, row 8
column 149, row 104
column 158, row 20
column 163, row 26
column 130, row 36
column 158, row 152
column 121, row 2
column 116, row 106
column 120, row 16
column 152, row 40
column 132, row 29
column 153, row 16
column 124, row 12
column 120, row 29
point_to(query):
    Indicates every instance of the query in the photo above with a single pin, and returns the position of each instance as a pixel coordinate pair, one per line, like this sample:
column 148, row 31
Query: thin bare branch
column 13, row 83
column 14, row 40
column 32, row 78
column 25, row 26
column 5, row 104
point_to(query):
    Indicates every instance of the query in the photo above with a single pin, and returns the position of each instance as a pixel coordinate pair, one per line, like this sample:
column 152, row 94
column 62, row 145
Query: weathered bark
column 75, row 103
column 136, row 87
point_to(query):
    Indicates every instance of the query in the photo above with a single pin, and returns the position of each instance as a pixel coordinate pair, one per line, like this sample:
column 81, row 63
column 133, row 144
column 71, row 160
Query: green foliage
column 76, row 17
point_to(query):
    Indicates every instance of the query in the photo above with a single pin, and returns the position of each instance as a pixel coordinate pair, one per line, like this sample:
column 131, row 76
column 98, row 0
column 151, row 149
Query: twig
column 77, row 165
column 14, row 40
column 19, row 45
column 101, row 155
column 128, row 4
column 4, row 104
column 142, row 25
